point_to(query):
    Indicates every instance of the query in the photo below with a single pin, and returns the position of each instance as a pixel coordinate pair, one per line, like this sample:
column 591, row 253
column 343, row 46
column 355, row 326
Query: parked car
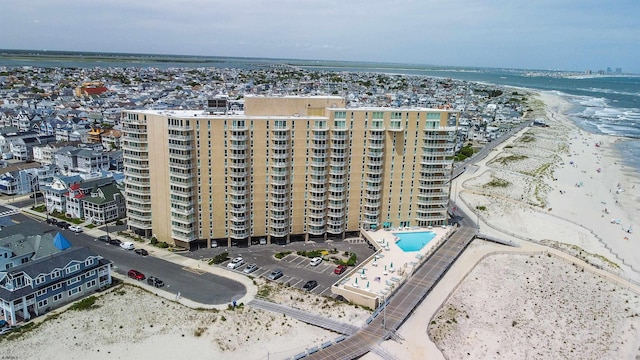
column 135, row 274
column 115, row 242
column 75, row 228
column 315, row 261
column 152, row 280
column 38, row 194
column 235, row 263
column 4, row 323
column 5, row 330
column 63, row 224
column 340, row 269
column 275, row 274
column 127, row 245
column 142, row 252
column 310, row 285
column 250, row 268
column 52, row 221
column 105, row 238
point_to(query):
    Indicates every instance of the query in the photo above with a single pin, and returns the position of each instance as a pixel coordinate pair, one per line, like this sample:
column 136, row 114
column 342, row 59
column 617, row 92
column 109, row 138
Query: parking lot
column 296, row 269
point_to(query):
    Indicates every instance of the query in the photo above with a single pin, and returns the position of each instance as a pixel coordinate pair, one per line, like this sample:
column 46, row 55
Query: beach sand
column 555, row 189
column 129, row 322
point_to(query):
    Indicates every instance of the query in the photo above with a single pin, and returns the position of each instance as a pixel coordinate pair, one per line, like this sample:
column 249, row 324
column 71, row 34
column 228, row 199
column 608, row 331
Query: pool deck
column 378, row 276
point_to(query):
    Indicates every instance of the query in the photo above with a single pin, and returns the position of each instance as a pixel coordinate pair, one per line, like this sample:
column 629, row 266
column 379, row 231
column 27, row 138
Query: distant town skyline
column 554, row 35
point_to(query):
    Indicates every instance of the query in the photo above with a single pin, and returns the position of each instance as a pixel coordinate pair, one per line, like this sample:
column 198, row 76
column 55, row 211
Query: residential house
column 105, row 203
column 47, row 282
column 65, row 194
column 19, row 179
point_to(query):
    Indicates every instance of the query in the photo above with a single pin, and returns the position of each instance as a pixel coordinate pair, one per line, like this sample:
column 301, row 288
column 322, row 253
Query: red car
column 340, row 269
column 135, row 274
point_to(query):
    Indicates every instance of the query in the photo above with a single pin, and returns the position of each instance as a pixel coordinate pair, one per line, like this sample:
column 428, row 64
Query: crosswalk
column 9, row 213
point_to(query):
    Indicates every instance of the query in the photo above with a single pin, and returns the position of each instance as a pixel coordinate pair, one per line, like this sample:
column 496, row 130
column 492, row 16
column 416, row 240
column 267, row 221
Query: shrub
column 282, row 254
column 84, row 304
column 162, row 245
column 220, row 258
column 154, row 240
column 481, row 207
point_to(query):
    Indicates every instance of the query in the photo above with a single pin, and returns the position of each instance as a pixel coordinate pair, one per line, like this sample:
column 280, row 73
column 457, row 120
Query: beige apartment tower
column 285, row 169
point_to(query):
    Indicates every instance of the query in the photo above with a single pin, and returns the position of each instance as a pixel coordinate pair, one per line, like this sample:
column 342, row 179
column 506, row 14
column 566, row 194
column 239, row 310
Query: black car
column 114, row 242
column 37, row 194
column 142, row 252
column 310, row 285
column 52, row 221
column 63, row 224
column 105, row 238
column 152, row 280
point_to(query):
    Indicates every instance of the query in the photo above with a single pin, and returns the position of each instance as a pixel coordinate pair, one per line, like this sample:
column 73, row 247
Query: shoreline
column 572, row 220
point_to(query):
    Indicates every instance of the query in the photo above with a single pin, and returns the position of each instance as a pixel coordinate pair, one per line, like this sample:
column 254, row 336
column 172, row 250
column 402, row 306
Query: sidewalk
column 175, row 258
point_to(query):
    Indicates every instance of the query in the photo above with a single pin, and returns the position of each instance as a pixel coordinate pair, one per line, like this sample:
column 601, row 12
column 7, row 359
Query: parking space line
column 296, row 283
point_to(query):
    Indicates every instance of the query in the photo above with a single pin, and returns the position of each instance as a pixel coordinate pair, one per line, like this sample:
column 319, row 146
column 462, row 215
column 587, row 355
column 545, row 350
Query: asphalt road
column 193, row 284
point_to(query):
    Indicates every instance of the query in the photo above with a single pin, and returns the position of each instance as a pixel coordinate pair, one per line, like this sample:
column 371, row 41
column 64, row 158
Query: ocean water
column 601, row 104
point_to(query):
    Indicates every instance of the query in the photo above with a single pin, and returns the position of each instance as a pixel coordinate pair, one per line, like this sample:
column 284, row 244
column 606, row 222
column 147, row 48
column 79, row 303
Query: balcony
column 279, row 208
column 180, row 156
column 238, row 174
column 133, row 165
column 279, row 201
column 339, row 134
column 186, row 220
column 281, row 137
column 281, row 217
column 375, row 136
column 136, row 190
column 339, row 145
column 375, row 145
column 427, row 161
column 435, row 145
column 317, row 216
column 238, row 201
column 319, row 146
column 143, row 223
column 238, row 192
column 239, row 147
column 318, row 197
column 316, row 230
column 240, row 183
column 142, row 181
column 318, row 180
column 278, row 232
column 280, row 146
column 238, row 137
column 278, row 181
column 375, row 154
column 130, row 129
column 183, row 165
column 178, row 127
column 182, row 212
column 237, row 164
column 183, row 147
column 187, row 138
column 430, row 134
column 239, row 227
column 276, row 155
column 371, row 213
column 238, row 210
column 279, row 191
column 139, row 147
column 432, row 186
column 240, row 235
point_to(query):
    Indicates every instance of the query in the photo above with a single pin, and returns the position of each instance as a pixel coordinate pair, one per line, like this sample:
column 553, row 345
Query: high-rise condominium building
column 285, row 169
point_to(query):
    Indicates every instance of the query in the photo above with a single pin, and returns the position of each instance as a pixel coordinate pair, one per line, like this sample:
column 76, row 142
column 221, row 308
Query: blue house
column 35, row 284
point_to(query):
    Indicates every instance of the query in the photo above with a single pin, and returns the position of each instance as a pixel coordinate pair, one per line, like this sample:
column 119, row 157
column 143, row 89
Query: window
column 73, row 268
column 39, row 280
column 57, row 297
column 73, row 280
column 89, row 262
column 75, row 291
column 43, row 303
column 41, row 292
column 91, row 283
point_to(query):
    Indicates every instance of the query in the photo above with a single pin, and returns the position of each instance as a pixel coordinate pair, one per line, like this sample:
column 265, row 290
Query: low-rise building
column 42, row 283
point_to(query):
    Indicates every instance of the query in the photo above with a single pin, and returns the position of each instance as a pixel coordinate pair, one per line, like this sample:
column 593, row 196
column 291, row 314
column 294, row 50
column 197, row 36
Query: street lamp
column 104, row 214
column 33, row 189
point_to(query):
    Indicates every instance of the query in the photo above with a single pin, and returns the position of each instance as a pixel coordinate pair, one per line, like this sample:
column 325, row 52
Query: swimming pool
column 414, row 241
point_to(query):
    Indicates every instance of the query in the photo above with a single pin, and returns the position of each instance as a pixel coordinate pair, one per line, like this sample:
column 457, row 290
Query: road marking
column 192, row 270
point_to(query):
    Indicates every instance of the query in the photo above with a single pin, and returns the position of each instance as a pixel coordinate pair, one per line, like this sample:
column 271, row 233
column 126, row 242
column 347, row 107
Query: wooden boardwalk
column 401, row 304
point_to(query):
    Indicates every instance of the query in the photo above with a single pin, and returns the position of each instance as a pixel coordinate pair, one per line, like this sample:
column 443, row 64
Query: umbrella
column 362, row 271
column 367, row 285
column 356, row 281
column 391, row 265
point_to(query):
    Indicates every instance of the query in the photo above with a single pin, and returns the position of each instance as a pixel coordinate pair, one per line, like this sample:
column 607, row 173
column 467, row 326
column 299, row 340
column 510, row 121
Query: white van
column 127, row 245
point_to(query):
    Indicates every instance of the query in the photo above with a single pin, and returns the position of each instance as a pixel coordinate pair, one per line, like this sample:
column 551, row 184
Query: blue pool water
column 414, row 241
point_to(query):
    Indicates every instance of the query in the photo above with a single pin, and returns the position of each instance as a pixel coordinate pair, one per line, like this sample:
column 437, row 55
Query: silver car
column 250, row 268
column 275, row 274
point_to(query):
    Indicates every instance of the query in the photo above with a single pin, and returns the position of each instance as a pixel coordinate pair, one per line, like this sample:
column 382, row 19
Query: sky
column 536, row 34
